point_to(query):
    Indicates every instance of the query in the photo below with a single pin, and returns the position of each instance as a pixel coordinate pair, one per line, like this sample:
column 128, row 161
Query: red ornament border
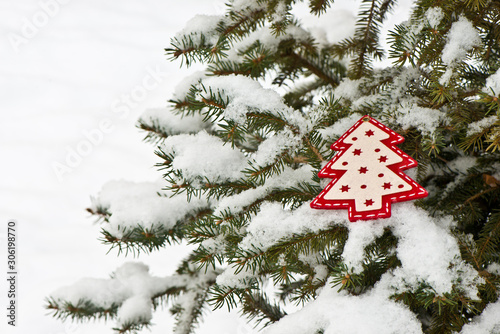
column 416, row 192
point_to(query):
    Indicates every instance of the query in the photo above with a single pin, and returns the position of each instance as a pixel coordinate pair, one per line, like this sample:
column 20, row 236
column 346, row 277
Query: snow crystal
column 201, row 156
column 269, row 40
column 246, row 95
column 487, row 322
column 460, row 166
column 494, row 268
column 424, row 119
column 348, row 89
column 321, row 272
column 421, row 238
column 173, row 124
column 479, row 126
column 434, row 15
column 493, row 84
column 414, row 29
column 407, row 77
column 462, row 37
column 330, row 27
column 274, row 145
column 240, row 280
column 445, row 78
column 287, row 178
column 360, row 236
column 184, row 86
column 136, row 309
column 340, row 126
column 280, row 12
column 131, row 280
column 201, row 25
column 132, row 204
column 274, row 223
column 214, row 245
column 240, row 5
column 340, row 313
column 101, row 292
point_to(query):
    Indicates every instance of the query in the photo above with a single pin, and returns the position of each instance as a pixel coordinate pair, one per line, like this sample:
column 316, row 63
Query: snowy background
column 74, row 77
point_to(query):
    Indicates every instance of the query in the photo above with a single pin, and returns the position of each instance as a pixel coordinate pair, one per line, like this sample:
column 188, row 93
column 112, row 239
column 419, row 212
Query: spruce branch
column 257, row 306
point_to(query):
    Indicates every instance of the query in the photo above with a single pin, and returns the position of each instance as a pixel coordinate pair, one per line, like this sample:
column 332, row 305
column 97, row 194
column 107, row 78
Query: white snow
column 401, row 82
column 201, row 156
column 132, row 286
column 460, row 165
column 348, row 89
column 279, row 12
column 424, row 119
column 188, row 300
column 321, row 273
column 202, row 25
column 248, row 5
column 248, row 95
column 182, row 87
column 494, row 268
column 287, row 178
column 340, row 127
column 240, row 280
column 336, row 24
column 360, row 236
column 273, row 223
column 274, row 145
column 487, row 322
column 135, row 309
column 493, row 84
column 479, row 126
column 461, row 38
column 421, row 237
column 245, row 95
column 143, row 204
column 339, row 313
column 434, row 15
column 269, row 40
column 173, row 124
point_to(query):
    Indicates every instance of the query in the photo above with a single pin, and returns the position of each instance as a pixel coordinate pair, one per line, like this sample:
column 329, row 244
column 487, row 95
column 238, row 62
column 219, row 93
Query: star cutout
column 369, row 133
column 387, row 185
column 369, row 202
column 363, row 170
column 357, row 151
column 383, row 158
column 345, row 189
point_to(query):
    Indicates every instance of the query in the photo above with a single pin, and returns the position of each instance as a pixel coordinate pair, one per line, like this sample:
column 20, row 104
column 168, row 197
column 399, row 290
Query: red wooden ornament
column 367, row 173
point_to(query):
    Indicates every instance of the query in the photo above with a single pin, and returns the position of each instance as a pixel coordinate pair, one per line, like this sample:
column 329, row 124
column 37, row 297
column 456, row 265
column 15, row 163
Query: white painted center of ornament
column 367, row 177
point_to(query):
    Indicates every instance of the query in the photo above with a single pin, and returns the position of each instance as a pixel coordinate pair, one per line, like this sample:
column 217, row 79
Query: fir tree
column 240, row 167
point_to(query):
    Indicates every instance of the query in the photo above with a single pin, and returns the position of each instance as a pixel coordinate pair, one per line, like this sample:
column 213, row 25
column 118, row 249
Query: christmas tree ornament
column 367, row 173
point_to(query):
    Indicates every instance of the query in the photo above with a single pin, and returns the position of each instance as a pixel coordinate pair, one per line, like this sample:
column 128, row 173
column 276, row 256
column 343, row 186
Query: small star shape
column 363, row 170
column 369, row 202
column 369, row 133
column 345, row 189
column 357, row 151
column 387, row 185
column 383, row 158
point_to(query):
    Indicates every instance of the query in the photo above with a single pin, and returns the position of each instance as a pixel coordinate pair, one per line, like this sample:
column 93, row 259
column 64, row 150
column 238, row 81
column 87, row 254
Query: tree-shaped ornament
column 367, row 173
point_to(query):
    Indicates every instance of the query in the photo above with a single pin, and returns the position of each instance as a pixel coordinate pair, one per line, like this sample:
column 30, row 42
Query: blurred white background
column 74, row 78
